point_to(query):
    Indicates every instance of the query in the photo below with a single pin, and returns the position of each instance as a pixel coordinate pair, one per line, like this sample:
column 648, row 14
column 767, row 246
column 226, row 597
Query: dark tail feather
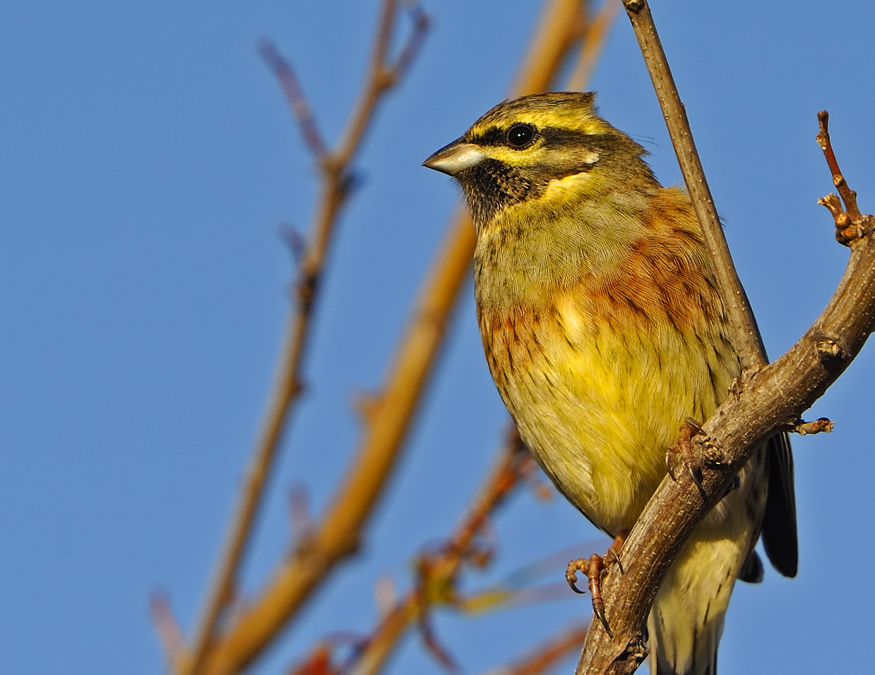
column 779, row 522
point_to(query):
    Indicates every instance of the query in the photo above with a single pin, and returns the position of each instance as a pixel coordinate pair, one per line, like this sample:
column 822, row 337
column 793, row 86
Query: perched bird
column 604, row 331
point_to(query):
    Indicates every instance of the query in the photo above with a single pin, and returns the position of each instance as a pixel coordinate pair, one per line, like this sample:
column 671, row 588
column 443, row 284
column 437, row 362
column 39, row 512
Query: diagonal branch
column 764, row 401
column 768, row 399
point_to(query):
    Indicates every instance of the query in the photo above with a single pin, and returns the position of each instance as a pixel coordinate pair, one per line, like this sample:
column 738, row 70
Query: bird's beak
column 455, row 157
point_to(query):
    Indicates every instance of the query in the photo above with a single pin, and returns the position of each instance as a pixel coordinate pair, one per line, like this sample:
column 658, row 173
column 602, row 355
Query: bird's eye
column 520, row 136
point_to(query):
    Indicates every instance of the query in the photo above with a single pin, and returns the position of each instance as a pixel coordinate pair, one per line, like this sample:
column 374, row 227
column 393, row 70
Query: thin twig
column 593, row 43
column 407, row 55
column 294, row 93
column 744, row 334
column 769, row 399
column 851, row 225
column 169, row 631
column 438, row 571
column 378, row 80
column 821, row 425
column 288, row 386
column 547, row 655
column 849, row 197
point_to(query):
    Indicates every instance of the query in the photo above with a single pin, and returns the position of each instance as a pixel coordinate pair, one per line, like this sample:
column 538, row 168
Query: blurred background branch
column 337, row 179
column 227, row 646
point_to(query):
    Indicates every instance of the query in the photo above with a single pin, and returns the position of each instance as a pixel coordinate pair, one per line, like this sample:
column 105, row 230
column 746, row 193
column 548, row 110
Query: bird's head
column 541, row 147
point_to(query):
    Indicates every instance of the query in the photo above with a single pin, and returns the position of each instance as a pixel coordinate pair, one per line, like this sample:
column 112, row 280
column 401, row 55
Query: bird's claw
column 594, row 568
column 575, row 566
column 682, row 452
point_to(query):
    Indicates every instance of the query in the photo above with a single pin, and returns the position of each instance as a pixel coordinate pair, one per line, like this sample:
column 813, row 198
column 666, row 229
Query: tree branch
column 765, row 400
column 336, row 178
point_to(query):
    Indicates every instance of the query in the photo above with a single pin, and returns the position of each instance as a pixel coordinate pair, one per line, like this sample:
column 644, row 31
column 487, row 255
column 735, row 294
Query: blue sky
column 147, row 159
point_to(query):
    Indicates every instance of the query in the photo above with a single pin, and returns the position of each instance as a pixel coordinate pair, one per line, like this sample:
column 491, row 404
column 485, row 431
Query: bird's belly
column 599, row 407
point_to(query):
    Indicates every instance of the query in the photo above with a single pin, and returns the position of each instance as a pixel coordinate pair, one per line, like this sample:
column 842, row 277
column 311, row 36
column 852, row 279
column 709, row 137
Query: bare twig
column 849, row 197
column 421, row 23
column 851, row 225
column 593, row 43
column 768, row 399
column 744, row 334
column 546, row 656
column 438, row 571
column 294, row 93
column 819, row 426
column 287, row 388
column 169, row 631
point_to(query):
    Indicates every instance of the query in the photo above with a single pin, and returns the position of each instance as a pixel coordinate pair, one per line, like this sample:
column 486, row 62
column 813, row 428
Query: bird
column 604, row 331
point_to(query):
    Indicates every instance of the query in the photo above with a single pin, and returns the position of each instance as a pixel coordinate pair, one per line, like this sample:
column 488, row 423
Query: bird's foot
column 595, row 567
column 682, row 453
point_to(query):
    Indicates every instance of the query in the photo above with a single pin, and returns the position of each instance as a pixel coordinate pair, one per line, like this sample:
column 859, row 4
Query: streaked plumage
column 603, row 331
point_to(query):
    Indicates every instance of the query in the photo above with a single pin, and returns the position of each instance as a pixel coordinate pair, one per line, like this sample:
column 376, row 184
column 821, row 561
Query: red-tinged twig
column 547, row 656
column 318, row 662
column 169, row 632
column 851, row 225
column 433, row 645
column 294, row 94
column 336, row 182
column 438, row 571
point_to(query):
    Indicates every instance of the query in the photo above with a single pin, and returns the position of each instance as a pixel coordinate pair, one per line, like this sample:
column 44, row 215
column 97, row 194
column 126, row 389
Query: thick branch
column 766, row 400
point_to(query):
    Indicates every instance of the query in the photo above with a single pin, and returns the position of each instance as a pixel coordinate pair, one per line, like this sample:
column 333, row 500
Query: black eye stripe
column 492, row 136
column 553, row 137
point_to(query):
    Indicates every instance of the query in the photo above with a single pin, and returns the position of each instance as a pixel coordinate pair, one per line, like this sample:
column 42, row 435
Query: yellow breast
column 600, row 376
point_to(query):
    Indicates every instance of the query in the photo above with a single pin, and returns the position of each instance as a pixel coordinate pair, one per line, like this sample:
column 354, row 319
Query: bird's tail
column 686, row 620
column 687, row 617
